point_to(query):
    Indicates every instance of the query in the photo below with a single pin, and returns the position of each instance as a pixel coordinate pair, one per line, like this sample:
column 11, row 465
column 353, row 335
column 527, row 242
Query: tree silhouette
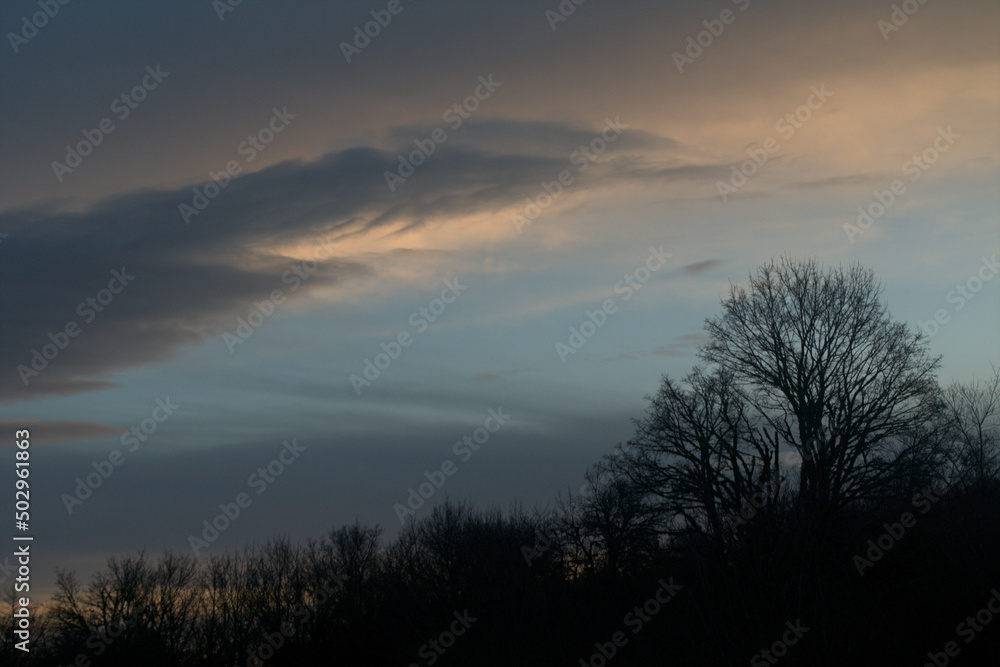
column 973, row 415
column 700, row 455
column 830, row 372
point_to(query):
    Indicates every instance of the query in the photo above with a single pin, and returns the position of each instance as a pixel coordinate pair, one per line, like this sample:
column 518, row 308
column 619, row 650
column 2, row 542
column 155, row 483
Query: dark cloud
column 701, row 267
column 192, row 280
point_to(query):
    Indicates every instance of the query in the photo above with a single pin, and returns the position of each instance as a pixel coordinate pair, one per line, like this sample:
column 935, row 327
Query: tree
column 834, row 376
column 699, row 457
column 611, row 527
column 973, row 415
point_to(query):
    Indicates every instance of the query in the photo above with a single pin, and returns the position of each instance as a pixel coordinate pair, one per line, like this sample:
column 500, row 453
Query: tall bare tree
column 837, row 379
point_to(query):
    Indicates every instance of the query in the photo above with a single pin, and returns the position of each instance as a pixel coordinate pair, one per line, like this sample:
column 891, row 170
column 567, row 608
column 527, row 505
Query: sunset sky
column 470, row 181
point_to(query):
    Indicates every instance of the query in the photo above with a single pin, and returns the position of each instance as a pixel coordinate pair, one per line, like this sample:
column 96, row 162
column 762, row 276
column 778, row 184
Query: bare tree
column 973, row 413
column 610, row 528
column 699, row 457
column 835, row 377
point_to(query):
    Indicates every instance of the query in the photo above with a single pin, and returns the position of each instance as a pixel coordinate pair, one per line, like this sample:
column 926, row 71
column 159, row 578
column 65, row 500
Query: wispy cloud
column 701, row 267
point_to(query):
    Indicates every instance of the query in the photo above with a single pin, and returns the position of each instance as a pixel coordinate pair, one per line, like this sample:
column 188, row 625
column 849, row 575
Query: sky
column 296, row 259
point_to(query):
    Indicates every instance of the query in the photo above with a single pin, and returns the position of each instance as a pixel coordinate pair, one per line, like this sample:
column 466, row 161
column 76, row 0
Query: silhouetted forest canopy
column 810, row 494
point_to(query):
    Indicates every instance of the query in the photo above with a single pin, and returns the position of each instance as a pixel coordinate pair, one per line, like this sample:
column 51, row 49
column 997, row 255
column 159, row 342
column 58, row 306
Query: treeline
column 542, row 590
column 808, row 495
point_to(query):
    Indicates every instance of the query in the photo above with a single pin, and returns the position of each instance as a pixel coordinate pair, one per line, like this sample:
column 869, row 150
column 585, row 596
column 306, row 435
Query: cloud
column 681, row 347
column 192, row 281
column 500, row 375
column 700, row 267
column 839, row 181
column 505, row 136
column 45, row 432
